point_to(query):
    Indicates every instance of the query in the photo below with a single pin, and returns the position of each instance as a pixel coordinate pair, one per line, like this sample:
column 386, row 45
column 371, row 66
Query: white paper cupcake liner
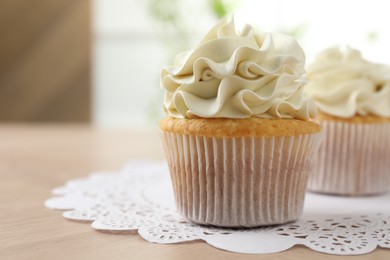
column 353, row 160
column 239, row 182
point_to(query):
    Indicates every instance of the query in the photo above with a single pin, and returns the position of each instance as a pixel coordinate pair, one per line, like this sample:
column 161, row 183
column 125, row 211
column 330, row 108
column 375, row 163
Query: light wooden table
column 36, row 158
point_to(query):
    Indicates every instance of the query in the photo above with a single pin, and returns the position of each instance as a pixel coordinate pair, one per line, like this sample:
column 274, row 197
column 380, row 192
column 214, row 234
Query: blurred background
column 99, row 61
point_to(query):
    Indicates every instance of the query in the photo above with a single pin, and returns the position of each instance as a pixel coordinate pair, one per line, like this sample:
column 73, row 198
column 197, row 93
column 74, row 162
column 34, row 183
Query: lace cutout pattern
column 138, row 199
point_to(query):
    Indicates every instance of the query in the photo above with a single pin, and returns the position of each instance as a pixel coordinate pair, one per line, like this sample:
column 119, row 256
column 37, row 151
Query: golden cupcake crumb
column 370, row 119
column 247, row 127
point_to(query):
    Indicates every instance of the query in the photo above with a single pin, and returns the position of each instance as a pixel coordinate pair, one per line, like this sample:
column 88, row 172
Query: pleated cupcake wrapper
column 233, row 182
column 354, row 159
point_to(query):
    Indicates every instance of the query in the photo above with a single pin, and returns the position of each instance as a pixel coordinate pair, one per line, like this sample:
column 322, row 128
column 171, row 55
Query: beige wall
column 45, row 60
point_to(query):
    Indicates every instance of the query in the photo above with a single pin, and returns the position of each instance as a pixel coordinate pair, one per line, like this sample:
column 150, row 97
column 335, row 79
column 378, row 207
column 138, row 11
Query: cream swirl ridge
column 238, row 75
column 343, row 84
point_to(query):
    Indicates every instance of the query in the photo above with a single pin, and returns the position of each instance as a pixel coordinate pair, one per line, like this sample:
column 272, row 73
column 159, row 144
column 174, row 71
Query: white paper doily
column 139, row 198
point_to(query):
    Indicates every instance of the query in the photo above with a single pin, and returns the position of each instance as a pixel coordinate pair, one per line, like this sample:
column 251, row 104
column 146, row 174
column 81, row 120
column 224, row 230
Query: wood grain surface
column 36, row 158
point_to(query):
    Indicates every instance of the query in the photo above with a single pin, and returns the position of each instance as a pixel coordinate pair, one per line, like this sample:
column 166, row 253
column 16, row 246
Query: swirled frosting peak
column 343, row 84
column 238, row 75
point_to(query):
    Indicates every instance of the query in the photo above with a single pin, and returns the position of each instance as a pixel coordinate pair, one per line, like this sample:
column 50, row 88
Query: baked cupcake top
column 345, row 85
column 241, row 74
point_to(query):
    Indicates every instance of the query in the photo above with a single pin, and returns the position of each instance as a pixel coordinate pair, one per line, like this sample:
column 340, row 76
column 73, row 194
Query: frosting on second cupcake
column 238, row 75
column 343, row 84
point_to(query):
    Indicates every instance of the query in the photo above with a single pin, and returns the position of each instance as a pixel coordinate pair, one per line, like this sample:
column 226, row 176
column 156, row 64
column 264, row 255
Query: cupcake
column 353, row 98
column 238, row 135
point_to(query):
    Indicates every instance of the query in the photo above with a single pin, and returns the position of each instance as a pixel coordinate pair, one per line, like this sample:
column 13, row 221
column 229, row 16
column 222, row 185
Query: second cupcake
column 353, row 97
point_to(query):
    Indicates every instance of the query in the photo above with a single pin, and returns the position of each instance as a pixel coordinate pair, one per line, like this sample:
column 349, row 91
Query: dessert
column 353, row 98
column 238, row 134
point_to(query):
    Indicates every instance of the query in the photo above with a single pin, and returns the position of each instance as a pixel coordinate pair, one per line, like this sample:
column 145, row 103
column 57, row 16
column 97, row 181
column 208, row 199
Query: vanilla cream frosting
column 343, row 84
column 238, row 75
